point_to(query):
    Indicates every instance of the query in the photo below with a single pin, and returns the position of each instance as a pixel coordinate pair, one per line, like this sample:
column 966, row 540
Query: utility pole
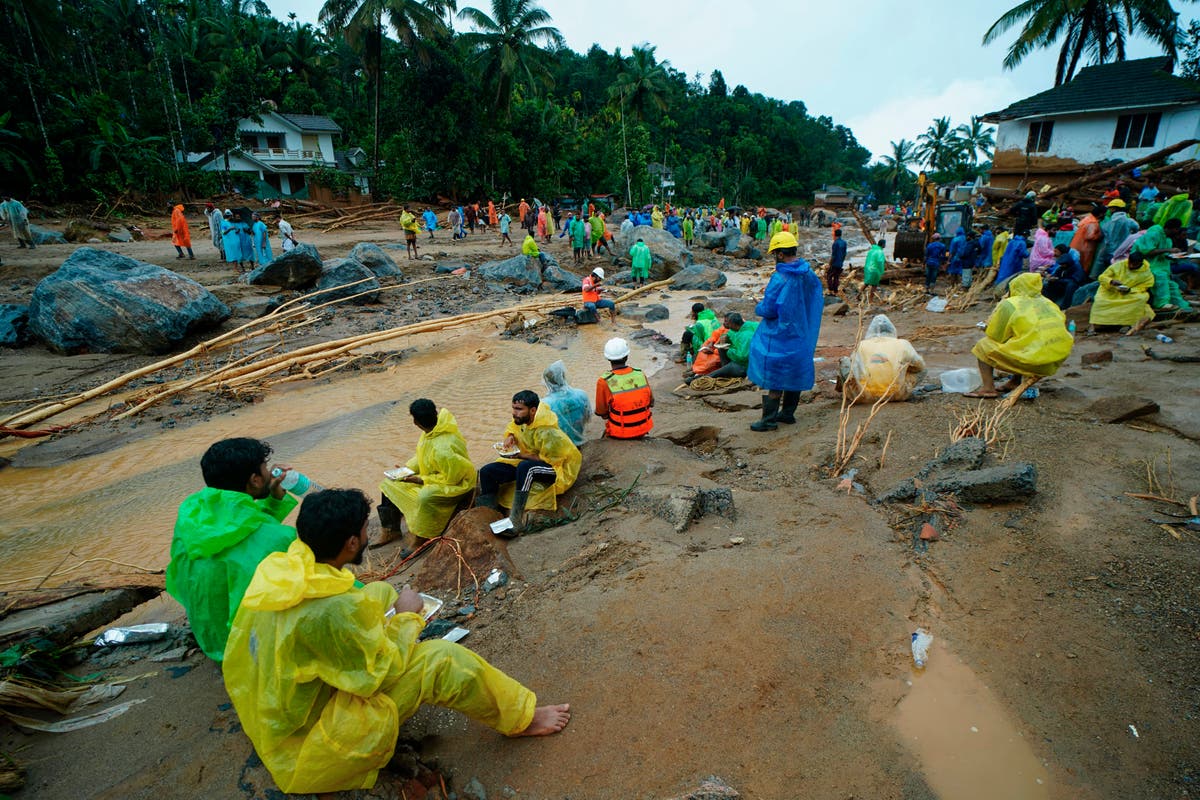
column 625, row 148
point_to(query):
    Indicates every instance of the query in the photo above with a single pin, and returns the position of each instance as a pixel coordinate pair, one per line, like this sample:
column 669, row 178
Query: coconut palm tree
column 1096, row 28
column 361, row 23
column 937, row 146
column 903, row 153
column 642, row 82
column 977, row 139
column 507, row 44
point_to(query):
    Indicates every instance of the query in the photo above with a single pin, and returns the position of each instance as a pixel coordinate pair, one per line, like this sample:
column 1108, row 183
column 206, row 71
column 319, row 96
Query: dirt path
column 781, row 664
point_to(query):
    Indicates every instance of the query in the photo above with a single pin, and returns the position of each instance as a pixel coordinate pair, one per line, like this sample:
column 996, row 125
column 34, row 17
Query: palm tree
column 507, row 43
column 1097, row 28
column 361, row 22
column 937, row 144
column 642, row 83
column 977, row 139
column 903, row 153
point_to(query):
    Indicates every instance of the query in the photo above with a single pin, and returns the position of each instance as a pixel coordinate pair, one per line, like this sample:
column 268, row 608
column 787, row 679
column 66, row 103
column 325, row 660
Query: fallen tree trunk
column 1113, row 172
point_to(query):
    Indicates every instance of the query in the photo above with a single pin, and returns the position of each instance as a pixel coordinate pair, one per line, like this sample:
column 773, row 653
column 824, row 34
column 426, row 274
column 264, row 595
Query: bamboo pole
column 239, row 334
column 1113, row 172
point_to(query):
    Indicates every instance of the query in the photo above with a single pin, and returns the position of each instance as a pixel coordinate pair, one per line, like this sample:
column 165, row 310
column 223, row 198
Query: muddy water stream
column 120, row 504
column 965, row 741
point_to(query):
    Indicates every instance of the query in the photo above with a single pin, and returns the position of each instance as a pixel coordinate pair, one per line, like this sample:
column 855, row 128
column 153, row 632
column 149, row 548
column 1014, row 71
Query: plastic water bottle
column 1162, row 337
column 920, row 647
column 689, row 360
column 1071, row 327
column 296, row 482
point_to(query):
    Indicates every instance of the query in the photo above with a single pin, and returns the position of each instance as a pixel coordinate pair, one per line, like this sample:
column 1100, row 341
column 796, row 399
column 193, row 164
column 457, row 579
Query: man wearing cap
column 639, row 257
column 837, row 259
column 1116, row 229
column 591, row 293
column 1026, row 213
column 623, row 396
column 781, row 352
column 935, row 254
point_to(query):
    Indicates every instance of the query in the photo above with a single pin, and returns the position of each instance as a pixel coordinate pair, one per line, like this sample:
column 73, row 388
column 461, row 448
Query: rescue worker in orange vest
column 591, row 294
column 623, row 396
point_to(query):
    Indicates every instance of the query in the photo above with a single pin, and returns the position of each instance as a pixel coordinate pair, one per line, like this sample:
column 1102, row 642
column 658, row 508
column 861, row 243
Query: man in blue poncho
column 781, row 353
column 570, row 405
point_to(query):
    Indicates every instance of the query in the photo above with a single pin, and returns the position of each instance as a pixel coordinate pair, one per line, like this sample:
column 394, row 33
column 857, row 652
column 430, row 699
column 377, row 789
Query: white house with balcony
column 278, row 150
column 1107, row 113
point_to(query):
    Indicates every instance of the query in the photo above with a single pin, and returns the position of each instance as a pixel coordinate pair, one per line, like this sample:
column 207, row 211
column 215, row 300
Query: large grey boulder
column 103, row 302
column 336, row 277
column 46, row 236
column 299, row 268
column 14, row 325
column 557, row 278
column 668, row 254
column 520, row 271
column 727, row 240
column 372, row 257
column 698, row 277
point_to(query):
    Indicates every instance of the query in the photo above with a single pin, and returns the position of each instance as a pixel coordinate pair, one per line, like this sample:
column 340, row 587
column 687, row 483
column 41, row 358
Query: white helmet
column 616, row 349
column 599, row 272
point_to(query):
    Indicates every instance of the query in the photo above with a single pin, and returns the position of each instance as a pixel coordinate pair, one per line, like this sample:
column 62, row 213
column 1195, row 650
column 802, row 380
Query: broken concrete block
column 1099, row 357
column 961, row 455
column 1006, row 483
column 1121, row 409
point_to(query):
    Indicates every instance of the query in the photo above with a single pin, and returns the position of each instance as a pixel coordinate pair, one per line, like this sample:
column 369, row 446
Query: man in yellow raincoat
column 442, row 474
column 323, row 672
column 882, row 364
column 1026, row 336
column 539, row 462
column 656, row 218
column 1124, row 294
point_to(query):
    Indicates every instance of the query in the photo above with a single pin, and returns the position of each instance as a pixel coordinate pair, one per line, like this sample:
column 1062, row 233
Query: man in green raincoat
column 222, row 533
column 640, row 259
column 1154, row 244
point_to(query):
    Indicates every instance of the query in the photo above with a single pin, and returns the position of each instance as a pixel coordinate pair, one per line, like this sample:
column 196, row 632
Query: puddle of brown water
column 121, row 504
column 966, row 744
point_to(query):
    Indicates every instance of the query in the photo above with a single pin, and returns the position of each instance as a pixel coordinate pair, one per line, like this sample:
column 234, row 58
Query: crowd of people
column 1130, row 257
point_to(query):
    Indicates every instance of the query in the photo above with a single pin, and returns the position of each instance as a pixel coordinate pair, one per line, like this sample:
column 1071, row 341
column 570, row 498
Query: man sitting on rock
column 591, row 293
column 529, row 249
column 441, row 475
column 323, row 671
column 221, row 535
column 538, row 463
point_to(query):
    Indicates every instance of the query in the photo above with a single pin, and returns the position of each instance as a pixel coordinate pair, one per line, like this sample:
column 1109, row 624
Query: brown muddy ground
column 780, row 664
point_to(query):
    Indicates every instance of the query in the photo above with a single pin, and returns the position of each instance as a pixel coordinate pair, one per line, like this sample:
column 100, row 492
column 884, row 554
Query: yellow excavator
column 933, row 217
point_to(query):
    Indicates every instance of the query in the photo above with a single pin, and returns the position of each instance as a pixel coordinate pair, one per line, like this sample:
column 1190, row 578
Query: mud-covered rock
column 104, row 302
column 668, row 254
column 372, row 256
column 299, row 268
column 337, row 276
column 698, row 277
column 650, row 313
column 559, row 279
column 1006, row 483
column 46, row 236
column 516, row 271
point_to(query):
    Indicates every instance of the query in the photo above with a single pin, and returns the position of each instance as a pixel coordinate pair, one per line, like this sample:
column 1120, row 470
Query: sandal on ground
column 982, row 395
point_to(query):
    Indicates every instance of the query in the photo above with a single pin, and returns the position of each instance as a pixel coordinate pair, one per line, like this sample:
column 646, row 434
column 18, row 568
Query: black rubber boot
column 487, row 501
column 769, row 412
column 787, row 411
column 389, row 515
column 516, row 515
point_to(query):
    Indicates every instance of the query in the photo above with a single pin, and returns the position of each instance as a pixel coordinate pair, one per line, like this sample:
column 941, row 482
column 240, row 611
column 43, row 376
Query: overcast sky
column 882, row 68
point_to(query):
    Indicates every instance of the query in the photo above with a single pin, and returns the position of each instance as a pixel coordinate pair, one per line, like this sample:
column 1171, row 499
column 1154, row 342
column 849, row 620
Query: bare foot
column 547, row 720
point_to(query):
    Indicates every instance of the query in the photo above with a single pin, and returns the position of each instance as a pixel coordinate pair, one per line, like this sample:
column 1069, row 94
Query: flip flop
column 982, row 395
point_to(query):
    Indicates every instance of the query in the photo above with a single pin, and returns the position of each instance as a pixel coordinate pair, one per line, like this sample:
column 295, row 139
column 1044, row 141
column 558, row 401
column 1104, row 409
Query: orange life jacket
column 629, row 412
column 590, row 295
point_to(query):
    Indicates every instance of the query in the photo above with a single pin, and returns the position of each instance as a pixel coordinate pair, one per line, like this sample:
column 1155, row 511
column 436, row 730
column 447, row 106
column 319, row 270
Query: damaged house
column 1107, row 114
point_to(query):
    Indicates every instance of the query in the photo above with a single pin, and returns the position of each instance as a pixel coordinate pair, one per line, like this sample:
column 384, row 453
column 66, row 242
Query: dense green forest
column 102, row 94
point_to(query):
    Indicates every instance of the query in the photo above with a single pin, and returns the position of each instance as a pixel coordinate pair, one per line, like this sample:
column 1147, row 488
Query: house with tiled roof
column 1108, row 113
column 275, row 152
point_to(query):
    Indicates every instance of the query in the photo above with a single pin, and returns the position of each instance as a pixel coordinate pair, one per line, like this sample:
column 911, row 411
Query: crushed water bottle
column 920, row 647
column 1071, row 327
column 296, row 482
column 1162, row 337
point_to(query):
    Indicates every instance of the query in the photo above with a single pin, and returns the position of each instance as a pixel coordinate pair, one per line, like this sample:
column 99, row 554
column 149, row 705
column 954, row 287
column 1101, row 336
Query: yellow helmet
column 781, row 240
